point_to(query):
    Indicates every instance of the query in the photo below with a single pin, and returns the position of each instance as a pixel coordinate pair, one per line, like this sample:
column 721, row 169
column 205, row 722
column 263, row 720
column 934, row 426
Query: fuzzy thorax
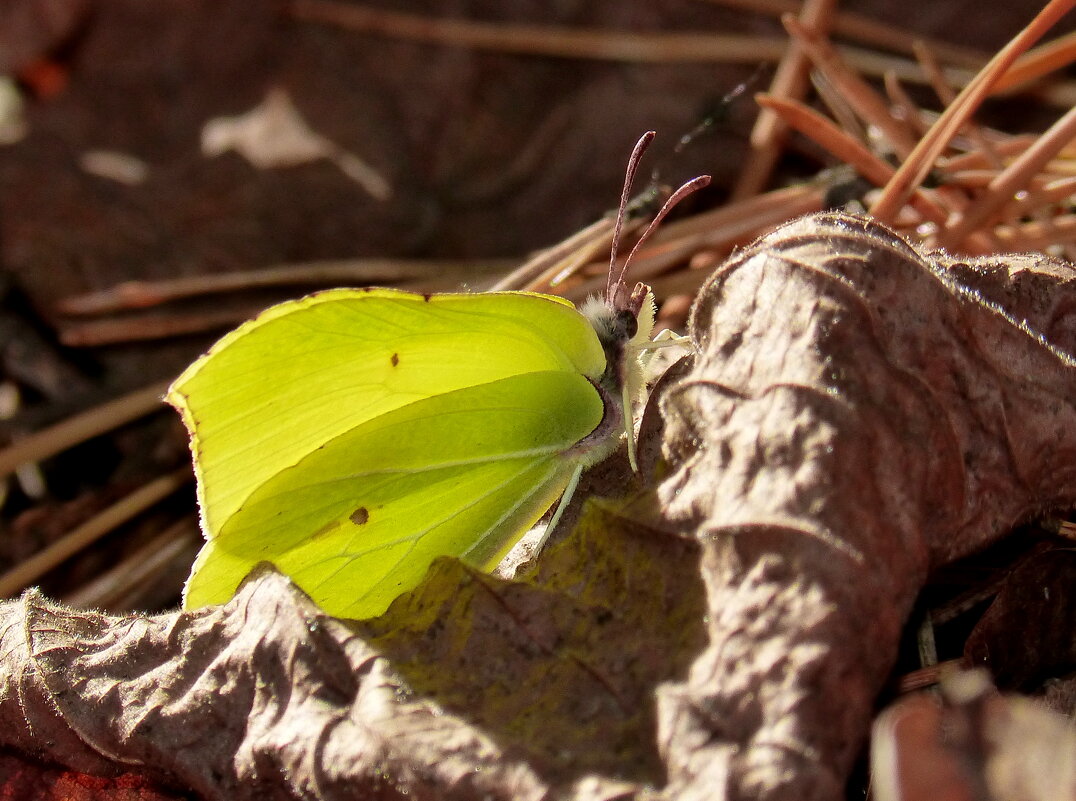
column 623, row 334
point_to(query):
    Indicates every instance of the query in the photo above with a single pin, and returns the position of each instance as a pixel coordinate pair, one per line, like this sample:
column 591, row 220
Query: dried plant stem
column 142, row 294
column 912, row 172
column 927, row 676
column 1038, row 235
column 900, row 99
column 545, row 40
column 730, row 226
column 849, row 150
column 580, row 43
column 975, row 160
column 871, row 108
column 875, row 64
column 1039, row 62
column 140, row 566
column 776, row 205
column 789, row 82
column 538, row 270
column 81, row 427
column 719, row 230
column 28, row 571
column 862, row 29
column 839, row 107
column 945, row 93
column 136, row 328
column 974, row 179
column 1013, row 178
column 1038, row 197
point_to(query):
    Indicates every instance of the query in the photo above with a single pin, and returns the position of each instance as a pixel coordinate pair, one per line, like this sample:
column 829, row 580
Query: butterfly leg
column 565, row 499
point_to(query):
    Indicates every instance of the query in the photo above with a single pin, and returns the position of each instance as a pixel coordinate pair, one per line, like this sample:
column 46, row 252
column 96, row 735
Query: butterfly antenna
column 686, row 189
column 613, row 285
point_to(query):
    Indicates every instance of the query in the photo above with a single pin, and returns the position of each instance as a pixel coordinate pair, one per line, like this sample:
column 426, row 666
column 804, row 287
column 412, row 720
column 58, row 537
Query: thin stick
column 1038, row 198
column 1010, row 180
column 839, row 107
column 871, row 108
column 86, row 425
column 975, row 160
column 543, row 40
column 550, row 260
column 947, row 95
column 901, row 99
column 139, row 566
column 29, row 570
column 142, row 294
column 927, row 676
column 777, row 205
column 971, row 179
column 789, row 82
column 1041, row 61
column 865, row 30
column 912, row 172
column 141, row 327
column 718, row 230
column 601, row 44
column 675, row 242
column 578, row 261
column 1038, row 235
column 581, row 43
column 849, row 150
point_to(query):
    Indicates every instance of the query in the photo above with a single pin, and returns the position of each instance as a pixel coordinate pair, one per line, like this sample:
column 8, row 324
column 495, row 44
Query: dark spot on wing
column 426, row 296
column 359, row 516
column 395, row 359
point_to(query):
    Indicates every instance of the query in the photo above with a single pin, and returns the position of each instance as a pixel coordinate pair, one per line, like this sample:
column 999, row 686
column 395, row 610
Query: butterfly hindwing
column 455, row 449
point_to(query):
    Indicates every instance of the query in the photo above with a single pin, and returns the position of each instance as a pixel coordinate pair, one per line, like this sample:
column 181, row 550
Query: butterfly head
column 628, row 314
column 624, row 319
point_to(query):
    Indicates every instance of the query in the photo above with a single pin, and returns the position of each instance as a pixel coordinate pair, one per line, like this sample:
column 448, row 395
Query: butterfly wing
column 352, row 436
column 359, row 520
column 306, row 371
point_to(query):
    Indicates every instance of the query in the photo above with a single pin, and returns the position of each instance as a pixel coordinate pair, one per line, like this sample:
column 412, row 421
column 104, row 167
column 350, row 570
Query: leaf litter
column 859, row 406
column 881, row 349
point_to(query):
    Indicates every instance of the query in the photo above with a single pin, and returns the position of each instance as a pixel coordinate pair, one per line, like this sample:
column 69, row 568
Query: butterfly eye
column 626, row 322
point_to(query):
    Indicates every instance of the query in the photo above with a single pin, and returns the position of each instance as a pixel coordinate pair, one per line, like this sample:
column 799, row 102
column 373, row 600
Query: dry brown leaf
column 471, row 687
column 1027, row 635
column 858, row 412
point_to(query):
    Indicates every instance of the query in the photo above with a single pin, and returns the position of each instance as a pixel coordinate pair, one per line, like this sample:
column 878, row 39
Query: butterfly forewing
column 307, row 371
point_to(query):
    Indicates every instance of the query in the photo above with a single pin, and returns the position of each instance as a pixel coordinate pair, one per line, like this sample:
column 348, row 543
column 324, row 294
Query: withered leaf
column 1027, row 634
column 857, row 413
column 470, row 687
